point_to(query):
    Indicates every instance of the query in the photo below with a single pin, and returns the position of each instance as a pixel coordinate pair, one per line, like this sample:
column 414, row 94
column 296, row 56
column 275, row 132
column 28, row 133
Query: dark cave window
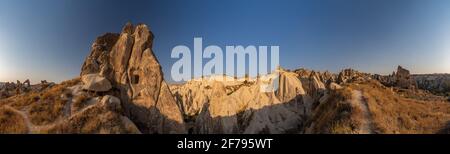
column 135, row 79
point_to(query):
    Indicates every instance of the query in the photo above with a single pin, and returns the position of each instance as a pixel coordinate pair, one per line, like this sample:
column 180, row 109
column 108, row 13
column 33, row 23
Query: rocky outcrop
column 436, row 83
column 250, row 111
column 290, row 86
column 400, row 79
column 321, row 76
column 8, row 89
column 403, row 78
column 128, row 62
column 351, row 75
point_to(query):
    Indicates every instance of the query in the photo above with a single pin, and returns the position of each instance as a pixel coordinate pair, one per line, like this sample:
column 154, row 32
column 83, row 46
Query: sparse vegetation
column 93, row 120
column 11, row 122
column 390, row 112
column 51, row 104
column 22, row 101
column 395, row 114
column 337, row 115
column 46, row 111
column 79, row 101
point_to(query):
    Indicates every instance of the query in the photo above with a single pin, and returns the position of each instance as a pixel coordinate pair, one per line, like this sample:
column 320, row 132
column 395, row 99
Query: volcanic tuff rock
column 128, row 62
column 8, row 89
column 436, row 83
column 403, row 78
column 94, row 82
column 350, row 75
column 249, row 109
column 400, row 79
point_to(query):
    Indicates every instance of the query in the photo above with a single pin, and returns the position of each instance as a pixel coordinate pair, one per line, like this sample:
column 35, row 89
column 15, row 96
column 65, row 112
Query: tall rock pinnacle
column 127, row 60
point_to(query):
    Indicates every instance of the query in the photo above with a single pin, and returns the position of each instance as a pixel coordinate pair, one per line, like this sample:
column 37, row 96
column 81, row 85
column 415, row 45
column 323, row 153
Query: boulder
column 95, row 82
column 111, row 103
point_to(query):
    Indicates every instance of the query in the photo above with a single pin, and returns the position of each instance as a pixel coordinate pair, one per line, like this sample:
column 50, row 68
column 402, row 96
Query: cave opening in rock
column 135, row 79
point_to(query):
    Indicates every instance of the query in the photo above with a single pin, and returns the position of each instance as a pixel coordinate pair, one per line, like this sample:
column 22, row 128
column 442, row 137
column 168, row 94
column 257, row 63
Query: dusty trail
column 367, row 123
column 67, row 108
column 27, row 121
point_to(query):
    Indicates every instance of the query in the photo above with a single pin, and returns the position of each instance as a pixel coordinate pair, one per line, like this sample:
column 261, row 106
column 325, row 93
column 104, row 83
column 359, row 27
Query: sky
column 49, row 39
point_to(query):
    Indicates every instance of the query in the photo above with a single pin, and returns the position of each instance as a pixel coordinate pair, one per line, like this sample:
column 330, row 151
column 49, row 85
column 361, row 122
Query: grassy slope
column 390, row 112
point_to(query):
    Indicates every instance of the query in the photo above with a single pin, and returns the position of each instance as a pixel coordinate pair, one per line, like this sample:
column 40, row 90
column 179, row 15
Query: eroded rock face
column 127, row 60
column 246, row 109
column 289, row 87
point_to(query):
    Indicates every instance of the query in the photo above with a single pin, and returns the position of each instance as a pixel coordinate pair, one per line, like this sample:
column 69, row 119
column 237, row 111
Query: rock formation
column 436, row 83
column 27, row 83
column 128, row 62
column 403, row 78
column 249, row 109
column 400, row 79
column 350, row 75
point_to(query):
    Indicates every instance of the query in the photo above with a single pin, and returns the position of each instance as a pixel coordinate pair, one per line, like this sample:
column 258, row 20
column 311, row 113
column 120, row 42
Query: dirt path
column 67, row 108
column 27, row 121
column 367, row 123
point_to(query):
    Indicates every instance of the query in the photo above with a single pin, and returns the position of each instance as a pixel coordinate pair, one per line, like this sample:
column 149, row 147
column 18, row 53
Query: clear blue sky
column 49, row 39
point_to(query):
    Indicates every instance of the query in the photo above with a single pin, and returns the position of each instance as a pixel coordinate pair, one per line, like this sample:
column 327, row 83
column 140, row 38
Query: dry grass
column 93, row 120
column 337, row 115
column 47, row 111
column 45, row 106
column 389, row 112
column 392, row 113
column 22, row 101
column 50, row 107
column 11, row 122
column 79, row 101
